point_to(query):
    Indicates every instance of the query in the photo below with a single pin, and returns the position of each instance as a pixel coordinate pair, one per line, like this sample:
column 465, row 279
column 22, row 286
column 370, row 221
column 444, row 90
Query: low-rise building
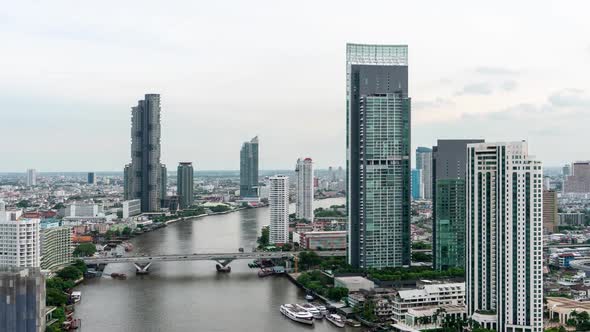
column 131, row 208
column 561, row 308
column 430, row 317
column 332, row 240
column 427, row 296
column 354, row 284
column 571, row 219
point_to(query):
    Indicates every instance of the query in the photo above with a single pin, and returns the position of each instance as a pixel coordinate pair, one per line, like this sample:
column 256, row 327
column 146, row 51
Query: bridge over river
column 143, row 262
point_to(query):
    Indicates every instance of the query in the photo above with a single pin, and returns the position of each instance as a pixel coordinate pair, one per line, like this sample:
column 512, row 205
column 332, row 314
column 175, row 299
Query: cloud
column 481, row 88
column 496, row 71
column 509, row 85
column 569, row 98
column 429, row 104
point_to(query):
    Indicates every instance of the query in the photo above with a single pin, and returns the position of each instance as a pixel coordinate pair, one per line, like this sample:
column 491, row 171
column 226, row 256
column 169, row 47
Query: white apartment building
column 56, row 246
column 279, row 209
column 449, row 294
column 504, row 237
column 31, row 177
column 19, row 240
column 83, row 210
column 304, row 203
column 131, row 208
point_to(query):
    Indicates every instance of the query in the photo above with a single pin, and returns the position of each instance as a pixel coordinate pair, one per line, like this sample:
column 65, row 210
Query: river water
column 192, row 296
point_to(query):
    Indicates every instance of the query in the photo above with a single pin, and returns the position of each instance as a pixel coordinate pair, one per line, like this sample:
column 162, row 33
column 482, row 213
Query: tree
column 59, row 284
column 126, row 231
column 307, row 259
column 287, row 247
column 85, row 250
column 70, row 273
column 23, row 204
column 421, row 257
column 263, row 239
column 80, row 265
column 337, row 293
column 55, row 297
column 59, row 206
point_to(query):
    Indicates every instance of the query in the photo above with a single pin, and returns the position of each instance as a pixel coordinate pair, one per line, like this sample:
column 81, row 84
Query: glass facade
column 249, row 169
column 378, row 156
column 450, row 224
column 417, row 188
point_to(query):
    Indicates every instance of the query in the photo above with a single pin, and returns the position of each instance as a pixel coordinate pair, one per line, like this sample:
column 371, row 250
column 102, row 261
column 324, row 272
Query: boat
column 309, row 297
column 335, row 319
column 265, row 272
column 296, row 314
column 321, row 308
column 353, row 323
column 223, row 269
column 120, row 276
column 76, row 296
column 311, row 309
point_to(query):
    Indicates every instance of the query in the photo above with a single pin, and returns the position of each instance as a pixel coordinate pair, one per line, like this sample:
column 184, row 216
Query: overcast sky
column 230, row 70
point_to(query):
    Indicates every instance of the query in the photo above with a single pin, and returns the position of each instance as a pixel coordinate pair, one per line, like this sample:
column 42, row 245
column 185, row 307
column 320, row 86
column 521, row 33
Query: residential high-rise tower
column 143, row 176
column 184, row 184
column 249, row 169
column 31, row 177
column 424, row 163
column 304, row 203
column 378, row 155
column 279, row 209
column 449, row 159
column 504, row 237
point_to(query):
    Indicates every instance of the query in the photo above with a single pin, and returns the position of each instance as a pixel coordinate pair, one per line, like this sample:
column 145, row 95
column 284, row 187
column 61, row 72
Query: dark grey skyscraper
column 91, row 179
column 449, row 159
column 249, row 169
column 184, row 184
column 378, row 155
column 143, row 176
column 22, row 299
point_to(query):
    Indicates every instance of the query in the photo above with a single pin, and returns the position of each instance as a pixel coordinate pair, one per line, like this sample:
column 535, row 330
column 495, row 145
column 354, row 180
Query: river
column 192, row 296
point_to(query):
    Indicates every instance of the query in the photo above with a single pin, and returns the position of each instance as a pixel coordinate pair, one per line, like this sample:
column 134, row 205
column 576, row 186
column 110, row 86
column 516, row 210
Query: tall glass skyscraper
column 378, row 155
column 504, row 284
column 143, row 176
column 417, row 187
column 184, row 184
column 304, row 202
column 249, row 169
column 424, row 163
column 449, row 159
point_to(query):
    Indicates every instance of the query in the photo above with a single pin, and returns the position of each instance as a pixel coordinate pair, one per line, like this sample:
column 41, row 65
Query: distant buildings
column 579, row 179
column 448, row 167
column 571, row 219
column 417, row 187
column 249, row 169
column 80, row 209
column 20, row 240
column 504, row 237
column 549, row 211
column 184, row 184
column 56, row 246
column 424, row 163
column 378, row 155
column 31, row 177
column 22, row 299
column 304, row 202
column 91, row 179
column 143, row 176
column 435, row 295
column 279, row 209
column 131, row 208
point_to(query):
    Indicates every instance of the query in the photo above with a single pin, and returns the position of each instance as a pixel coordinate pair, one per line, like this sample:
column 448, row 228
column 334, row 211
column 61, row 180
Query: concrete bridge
column 143, row 262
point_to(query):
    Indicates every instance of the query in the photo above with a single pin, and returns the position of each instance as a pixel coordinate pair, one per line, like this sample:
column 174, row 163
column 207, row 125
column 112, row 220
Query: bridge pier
column 223, row 265
column 142, row 268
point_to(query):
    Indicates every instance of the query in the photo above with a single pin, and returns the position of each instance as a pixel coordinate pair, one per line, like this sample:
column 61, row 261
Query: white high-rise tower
column 279, row 209
column 504, row 237
column 304, row 204
column 31, row 177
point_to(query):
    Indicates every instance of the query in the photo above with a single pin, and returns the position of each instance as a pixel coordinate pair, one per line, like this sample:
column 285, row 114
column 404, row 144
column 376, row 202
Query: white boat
column 315, row 312
column 296, row 314
column 336, row 320
column 321, row 308
column 76, row 296
column 309, row 297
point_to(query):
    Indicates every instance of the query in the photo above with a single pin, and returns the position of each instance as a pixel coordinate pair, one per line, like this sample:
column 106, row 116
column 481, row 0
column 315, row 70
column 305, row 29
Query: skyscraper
column 424, row 163
column 449, row 159
column 20, row 243
column 249, row 169
column 579, row 179
column 417, row 187
column 163, row 181
column 31, row 177
column 184, row 184
column 304, row 204
column 550, row 217
column 91, row 179
column 378, row 155
column 504, row 237
column 22, row 299
column 143, row 176
column 279, row 209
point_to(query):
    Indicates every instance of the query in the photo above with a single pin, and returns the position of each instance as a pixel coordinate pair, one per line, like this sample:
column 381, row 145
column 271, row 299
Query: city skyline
column 472, row 88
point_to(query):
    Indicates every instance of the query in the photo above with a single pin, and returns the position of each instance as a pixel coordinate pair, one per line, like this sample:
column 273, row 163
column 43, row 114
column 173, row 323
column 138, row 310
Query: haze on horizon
column 231, row 70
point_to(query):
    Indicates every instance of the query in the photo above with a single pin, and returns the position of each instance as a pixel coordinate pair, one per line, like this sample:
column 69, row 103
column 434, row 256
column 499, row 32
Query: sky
column 229, row 70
